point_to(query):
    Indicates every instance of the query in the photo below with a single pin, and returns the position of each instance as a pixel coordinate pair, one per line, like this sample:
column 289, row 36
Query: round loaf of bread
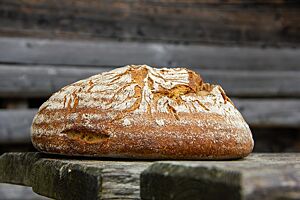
column 142, row 112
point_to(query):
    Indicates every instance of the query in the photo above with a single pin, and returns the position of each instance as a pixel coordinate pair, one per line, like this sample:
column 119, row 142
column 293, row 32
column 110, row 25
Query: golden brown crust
column 177, row 142
column 141, row 112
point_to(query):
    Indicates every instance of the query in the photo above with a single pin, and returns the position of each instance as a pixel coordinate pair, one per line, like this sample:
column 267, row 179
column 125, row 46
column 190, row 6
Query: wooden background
column 251, row 48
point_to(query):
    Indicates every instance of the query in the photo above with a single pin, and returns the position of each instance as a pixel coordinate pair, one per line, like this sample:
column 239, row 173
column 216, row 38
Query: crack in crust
column 86, row 135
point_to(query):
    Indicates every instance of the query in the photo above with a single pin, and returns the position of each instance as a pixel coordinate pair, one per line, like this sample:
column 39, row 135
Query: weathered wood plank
column 112, row 53
column 66, row 178
column 259, row 176
column 15, row 192
column 191, row 21
column 43, row 80
column 39, row 81
column 270, row 112
column 15, row 124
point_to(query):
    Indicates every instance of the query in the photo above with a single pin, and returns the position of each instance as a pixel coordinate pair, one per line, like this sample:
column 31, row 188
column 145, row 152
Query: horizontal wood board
column 112, row 53
column 17, row 192
column 230, row 22
column 73, row 179
column 258, row 176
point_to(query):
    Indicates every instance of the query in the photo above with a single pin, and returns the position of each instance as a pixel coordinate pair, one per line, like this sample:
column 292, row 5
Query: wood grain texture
column 43, row 80
column 257, row 112
column 259, row 176
column 10, row 191
column 112, row 53
column 232, row 22
column 270, row 112
column 15, row 125
column 68, row 178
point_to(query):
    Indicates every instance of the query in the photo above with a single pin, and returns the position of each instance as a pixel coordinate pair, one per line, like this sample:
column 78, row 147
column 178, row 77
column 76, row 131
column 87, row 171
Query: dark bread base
column 63, row 145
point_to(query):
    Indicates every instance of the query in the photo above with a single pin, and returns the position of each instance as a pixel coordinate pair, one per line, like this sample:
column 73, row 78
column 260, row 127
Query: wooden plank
column 112, row 53
column 270, row 112
column 66, row 178
column 254, row 83
column 259, row 176
column 184, row 21
column 15, row 124
column 39, row 81
column 43, row 80
column 10, row 192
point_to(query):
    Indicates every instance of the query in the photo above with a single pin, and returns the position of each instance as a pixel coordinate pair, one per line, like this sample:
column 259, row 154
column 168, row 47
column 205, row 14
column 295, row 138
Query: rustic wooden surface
column 67, row 178
column 259, row 176
column 226, row 22
column 113, row 53
column 270, row 112
column 18, row 192
column 15, row 125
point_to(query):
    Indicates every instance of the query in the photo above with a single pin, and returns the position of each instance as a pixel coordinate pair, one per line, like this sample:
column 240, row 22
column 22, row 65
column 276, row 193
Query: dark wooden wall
column 251, row 48
column 263, row 23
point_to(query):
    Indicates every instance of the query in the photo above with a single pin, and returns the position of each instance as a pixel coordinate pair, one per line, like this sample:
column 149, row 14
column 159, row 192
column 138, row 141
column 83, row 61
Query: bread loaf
column 142, row 112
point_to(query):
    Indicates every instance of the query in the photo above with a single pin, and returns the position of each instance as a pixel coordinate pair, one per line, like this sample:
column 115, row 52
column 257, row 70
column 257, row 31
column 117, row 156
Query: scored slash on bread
column 142, row 112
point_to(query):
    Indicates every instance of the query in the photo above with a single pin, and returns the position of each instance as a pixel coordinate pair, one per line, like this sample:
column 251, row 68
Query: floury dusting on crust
column 142, row 112
column 143, row 89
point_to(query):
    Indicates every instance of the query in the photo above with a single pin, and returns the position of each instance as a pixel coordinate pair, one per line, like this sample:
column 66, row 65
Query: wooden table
column 259, row 176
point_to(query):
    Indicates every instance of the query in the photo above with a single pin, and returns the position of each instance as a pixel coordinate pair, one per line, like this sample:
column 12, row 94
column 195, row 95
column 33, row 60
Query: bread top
column 140, row 90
